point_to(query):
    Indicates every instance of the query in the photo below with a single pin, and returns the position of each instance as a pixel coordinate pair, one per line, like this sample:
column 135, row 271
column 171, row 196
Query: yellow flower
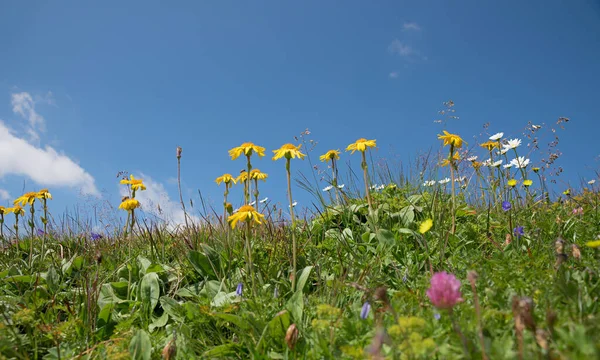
column 536, row 169
column 361, row 145
column 527, row 182
column 129, row 204
column 289, row 151
column 44, row 194
column 490, row 145
column 451, row 139
column 255, row 174
column 225, row 178
column 567, row 192
column 17, row 209
column 512, row 183
column 247, row 149
column 27, row 198
column 242, row 177
column 136, row 184
column 3, row 210
column 425, row 226
column 330, row 155
column 446, row 162
column 245, row 213
column 593, row 244
column 477, row 164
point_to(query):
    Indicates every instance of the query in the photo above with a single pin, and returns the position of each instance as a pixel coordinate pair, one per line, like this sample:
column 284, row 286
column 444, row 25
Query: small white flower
column 507, row 166
column 236, row 210
column 497, row 136
column 429, row 183
column 496, row 163
column 536, row 127
column 592, row 182
column 327, row 188
column 502, row 151
column 381, row 187
column 444, row 181
column 341, row 186
column 460, row 179
column 294, row 203
column 487, row 162
column 472, row 158
column 252, row 203
column 520, row 162
column 264, row 200
column 512, row 144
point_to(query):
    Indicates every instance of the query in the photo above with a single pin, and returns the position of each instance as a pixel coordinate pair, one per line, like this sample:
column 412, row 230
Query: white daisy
column 512, row 144
column 496, row 163
column 507, row 166
column 252, row 203
column 341, row 186
column 592, row 182
column 472, row 158
column 429, row 183
column 294, row 203
column 487, row 162
column 497, row 136
column 520, row 162
column 502, row 151
column 264, row 200
column 444, row 181
column 327, row 188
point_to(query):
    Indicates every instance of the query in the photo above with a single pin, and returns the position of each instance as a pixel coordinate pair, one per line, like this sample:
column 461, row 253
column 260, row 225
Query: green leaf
column 386, row 237
column 234, row 319
column 150, row 290
column 303, row 278
column 157, row 268
column 201, row 264
column 222, row 351
column 295, row 306
column 52, row 279
column 120, row 288
column 144, row 264
column 172, row 307
column 104, row 325
column 159, row 322
column 140, row 347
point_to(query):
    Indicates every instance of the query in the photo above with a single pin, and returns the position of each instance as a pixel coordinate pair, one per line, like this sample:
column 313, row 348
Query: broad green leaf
column 172, row 307
column 120, row 288
column 234, row 319
column 222, row 351
column 295, row 306
column 140, row 347
column 53, row 280
column 144, row 263
column 150, row 290
column 385, row 237
column 303, row 278
column 158, row 322
column 201, row 264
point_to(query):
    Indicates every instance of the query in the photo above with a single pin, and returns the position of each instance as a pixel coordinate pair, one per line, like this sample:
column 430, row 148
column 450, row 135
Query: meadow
column 478, row 253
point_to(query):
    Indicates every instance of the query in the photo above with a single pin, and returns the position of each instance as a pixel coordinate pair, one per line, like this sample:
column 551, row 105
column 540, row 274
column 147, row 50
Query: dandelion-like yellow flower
column 593, row 244
column 136, row 184
column 246, row 213
column 490, row 145
column 255, row 174
column 425, row 226
column 451, row 139
column 535, row 169
column 567, row 192
column 361, row 145
column 527, row 182
column 17, row 209
column 330, row 155
column 27, row 198
column 225, row 178
column 44, row 194
column 446, row 161
column 477, row 164
column 129, row 204
column 512, row 182
column 288, row 151
column 3, row 210
column 242, row 177
column 247, row 149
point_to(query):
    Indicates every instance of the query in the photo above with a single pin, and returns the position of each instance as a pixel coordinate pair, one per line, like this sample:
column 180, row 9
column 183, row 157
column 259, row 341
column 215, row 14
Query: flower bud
column 179, row 150
column 291, row 336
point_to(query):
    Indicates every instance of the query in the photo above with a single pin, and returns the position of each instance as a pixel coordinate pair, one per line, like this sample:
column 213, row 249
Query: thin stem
column 334, row 181
column 460, row 334
column 289, row 189
column 366, row 176
column 249, row 262
column 247, row 183
column 180, row 193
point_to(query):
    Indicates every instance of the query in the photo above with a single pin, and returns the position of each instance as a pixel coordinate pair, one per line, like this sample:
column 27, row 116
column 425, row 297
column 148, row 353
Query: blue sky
column 89, row 89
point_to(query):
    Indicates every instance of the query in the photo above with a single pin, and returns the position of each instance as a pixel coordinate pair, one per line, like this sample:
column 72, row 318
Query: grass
column 361, row 285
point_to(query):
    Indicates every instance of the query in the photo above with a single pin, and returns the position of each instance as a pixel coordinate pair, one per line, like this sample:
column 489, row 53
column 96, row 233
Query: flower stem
column 456, row 328
column 366, row 176
column 289, row 188
column 180, row 194
column 247, row 183
column 249, row 262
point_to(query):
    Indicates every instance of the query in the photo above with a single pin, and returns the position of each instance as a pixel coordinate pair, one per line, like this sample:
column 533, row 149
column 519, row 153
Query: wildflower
column 444, row 181
column 519, row 231
column 527, row 183
column 437, row 316
column 592, row 182
column 507, row 166
column 289, row 151
column 291, row 336
column 327, row 188
column 264, row 200
column 497, row 136
column 512, row 144
column 225, row 178
column 496, row 163
column 506, row 205
column 446, row 162
column 341, row 186
column 255, row 174
column 364, row 312
column 96, row 236
column 490, row 145
column 425, row 226
column 472, row 158
column 242, row 177
column 451, row 139
column 512, row 183
column 40, row 232
column 239, row 289
column 44, row 194
column 330, row 155
column 245, row 213
column 361, row 145
column 593, row 244
column 17, row 210
column 252, row 203
column 535, row 169
column 476, row 165
column 136, row 184
column 294, row 204
column 178, row 152
column 429, row 183
column 444, row 292
column 129, row 204
column 567, row 192
column 27, row 198
column 520, row 162
column 576, row 252
column 578, row 211
column 247, row 149
column 503, row 151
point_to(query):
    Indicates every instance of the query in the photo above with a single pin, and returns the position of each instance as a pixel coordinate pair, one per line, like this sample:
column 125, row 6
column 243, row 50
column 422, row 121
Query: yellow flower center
column 246, row 208
column 289, row 147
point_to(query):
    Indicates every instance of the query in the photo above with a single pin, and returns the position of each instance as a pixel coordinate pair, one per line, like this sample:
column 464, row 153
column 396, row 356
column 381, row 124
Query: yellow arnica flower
column 129, row 204
column 490, row 145
column 593, row 244
column 361, row 145
column 527, row 182
column 446, row 162
column 567, row 192
column 17, row 209
column 255, row 174
column 136, row 184
column 242, row 177
column 451, row 139
column 425, row 226
column 536, row 169
column 477, row 164
column 44, row 194
column 330, row 155
column 3, row 210
column 245, row 213
column 247, row 149
column 512, row 183
column 225, row 178
column 288, row 151
column 27, row 198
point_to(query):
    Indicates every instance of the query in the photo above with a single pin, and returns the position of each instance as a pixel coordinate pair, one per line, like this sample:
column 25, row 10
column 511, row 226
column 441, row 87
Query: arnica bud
column 179, row 150
column 291, row 336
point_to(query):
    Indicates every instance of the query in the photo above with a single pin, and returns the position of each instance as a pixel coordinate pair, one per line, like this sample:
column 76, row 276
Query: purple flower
column 437, row 316
column 364, row 312
column 506, row 205
column 519, row 231
column 444, row 292
column 96, row 236
column 40, row 232
column 239, row 289
column 578, row 211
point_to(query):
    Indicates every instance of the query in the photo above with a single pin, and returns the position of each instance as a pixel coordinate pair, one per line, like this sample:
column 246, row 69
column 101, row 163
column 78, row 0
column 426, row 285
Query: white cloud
column 411, row 26
column 400, row 48
column 4, row 195
column 45, row 166
column 393, row 75
column 156, row 196
column 24, row 106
